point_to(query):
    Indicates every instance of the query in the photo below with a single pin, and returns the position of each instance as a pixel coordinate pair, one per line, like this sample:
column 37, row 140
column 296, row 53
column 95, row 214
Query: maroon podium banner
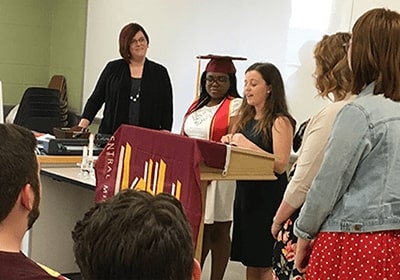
column 157, row 161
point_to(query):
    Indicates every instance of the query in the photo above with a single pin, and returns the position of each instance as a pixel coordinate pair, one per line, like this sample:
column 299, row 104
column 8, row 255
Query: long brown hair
column 375, row 54
column 275, row 104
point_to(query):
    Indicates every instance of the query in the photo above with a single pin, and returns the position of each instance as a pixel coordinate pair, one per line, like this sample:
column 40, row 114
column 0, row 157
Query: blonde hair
column 333, row 74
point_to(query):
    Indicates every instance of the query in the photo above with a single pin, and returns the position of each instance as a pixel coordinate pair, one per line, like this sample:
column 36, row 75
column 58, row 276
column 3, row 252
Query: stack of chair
column 58, row 82
column 43, row 108
column 39, row 109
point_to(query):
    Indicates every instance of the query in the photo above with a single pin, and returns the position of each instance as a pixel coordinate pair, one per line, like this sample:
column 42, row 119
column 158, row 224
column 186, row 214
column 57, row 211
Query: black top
column 113, row 89
column 134, row 105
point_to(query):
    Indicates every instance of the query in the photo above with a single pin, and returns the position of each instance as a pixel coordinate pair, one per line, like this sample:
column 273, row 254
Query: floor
column 234, row 270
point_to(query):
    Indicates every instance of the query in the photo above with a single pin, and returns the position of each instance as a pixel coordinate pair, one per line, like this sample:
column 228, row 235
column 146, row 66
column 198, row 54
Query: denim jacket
column 357, row 188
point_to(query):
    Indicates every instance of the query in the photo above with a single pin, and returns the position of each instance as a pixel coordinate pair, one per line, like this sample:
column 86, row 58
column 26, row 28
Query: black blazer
column 113, row 90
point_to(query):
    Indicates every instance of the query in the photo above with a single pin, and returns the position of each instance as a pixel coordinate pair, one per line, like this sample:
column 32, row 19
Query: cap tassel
column 197, row 79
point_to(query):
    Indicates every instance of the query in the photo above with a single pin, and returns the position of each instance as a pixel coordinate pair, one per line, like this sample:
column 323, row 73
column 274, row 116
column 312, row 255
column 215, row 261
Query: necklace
column 136, row 97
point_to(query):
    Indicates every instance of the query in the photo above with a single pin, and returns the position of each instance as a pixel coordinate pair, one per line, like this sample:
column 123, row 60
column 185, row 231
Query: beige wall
column 41, row 38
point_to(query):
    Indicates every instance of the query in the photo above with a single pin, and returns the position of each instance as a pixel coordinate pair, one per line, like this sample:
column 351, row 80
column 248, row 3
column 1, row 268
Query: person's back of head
column 374, row 52
column 332, row 73
column 18, row 167
column 135, row 235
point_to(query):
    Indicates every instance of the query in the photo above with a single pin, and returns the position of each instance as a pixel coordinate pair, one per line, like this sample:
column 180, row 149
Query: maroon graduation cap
column 217, row 63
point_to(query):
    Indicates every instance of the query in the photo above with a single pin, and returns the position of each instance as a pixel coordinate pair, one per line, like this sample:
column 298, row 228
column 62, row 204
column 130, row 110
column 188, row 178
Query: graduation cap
column 220, row 63
column 217, row 63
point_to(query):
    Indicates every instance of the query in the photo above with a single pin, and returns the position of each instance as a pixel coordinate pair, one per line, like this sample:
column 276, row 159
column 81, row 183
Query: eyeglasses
column 218, row 79
column 141, row 40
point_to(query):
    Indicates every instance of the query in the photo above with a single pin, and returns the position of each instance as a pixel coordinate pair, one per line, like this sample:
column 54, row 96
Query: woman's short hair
column 125, row 37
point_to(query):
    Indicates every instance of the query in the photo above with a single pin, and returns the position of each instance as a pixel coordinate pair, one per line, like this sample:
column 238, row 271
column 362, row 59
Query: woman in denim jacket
column 353, row 205
column 332, row 79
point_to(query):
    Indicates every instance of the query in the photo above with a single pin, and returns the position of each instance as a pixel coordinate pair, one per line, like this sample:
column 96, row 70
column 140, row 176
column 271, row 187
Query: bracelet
column 278, row 226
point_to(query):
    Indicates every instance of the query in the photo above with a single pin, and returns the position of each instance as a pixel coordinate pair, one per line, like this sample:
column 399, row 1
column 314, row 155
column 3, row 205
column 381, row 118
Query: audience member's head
column 135, row 235
column 19, row 176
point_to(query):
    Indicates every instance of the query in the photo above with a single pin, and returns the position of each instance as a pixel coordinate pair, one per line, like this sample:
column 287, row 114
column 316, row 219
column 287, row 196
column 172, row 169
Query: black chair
column 39, row 109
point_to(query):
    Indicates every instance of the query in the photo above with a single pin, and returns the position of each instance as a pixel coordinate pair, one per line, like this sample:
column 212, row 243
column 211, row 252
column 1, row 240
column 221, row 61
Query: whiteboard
column 283, row 32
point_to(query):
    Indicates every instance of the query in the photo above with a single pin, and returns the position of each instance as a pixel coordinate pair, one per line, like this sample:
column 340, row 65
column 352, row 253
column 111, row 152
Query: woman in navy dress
column 264, row 124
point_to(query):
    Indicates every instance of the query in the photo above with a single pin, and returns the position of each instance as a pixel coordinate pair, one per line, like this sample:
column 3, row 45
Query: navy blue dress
column 255, row 205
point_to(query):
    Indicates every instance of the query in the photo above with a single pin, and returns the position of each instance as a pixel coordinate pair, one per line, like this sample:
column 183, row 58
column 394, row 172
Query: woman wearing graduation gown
column 210, row 117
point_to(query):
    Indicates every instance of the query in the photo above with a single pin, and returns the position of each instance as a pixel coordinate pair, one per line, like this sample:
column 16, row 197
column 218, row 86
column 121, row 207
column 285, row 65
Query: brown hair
column 275, row 104
column 18, row 166
column 135, row 235
column 332, row 70
column 375, row 52
column 125, row 37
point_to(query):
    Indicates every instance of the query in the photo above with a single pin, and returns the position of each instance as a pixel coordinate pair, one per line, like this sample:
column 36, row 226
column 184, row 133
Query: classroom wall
column 282, row 32
column 41, row 38
column 67, row 48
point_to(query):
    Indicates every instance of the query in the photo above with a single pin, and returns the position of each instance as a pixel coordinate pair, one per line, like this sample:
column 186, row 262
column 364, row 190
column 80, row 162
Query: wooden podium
column 244, row 164
column 175, row 164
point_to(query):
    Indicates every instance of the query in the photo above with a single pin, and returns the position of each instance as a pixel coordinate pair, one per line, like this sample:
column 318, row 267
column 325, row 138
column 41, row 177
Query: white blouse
column 197, row 124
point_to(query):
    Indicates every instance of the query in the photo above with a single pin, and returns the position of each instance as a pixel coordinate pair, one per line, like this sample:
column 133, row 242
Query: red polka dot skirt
column 345, row 256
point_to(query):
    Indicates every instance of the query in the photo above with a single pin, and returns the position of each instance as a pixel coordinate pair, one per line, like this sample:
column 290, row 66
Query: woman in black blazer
column 134, row 89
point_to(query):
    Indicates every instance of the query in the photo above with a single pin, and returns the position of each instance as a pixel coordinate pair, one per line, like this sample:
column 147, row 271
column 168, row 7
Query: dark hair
column 135, row 235
column 125, row 37
column 375, row 52
column 204, row 97
column 275, row 104
column 332, row 70
column 18, row 166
